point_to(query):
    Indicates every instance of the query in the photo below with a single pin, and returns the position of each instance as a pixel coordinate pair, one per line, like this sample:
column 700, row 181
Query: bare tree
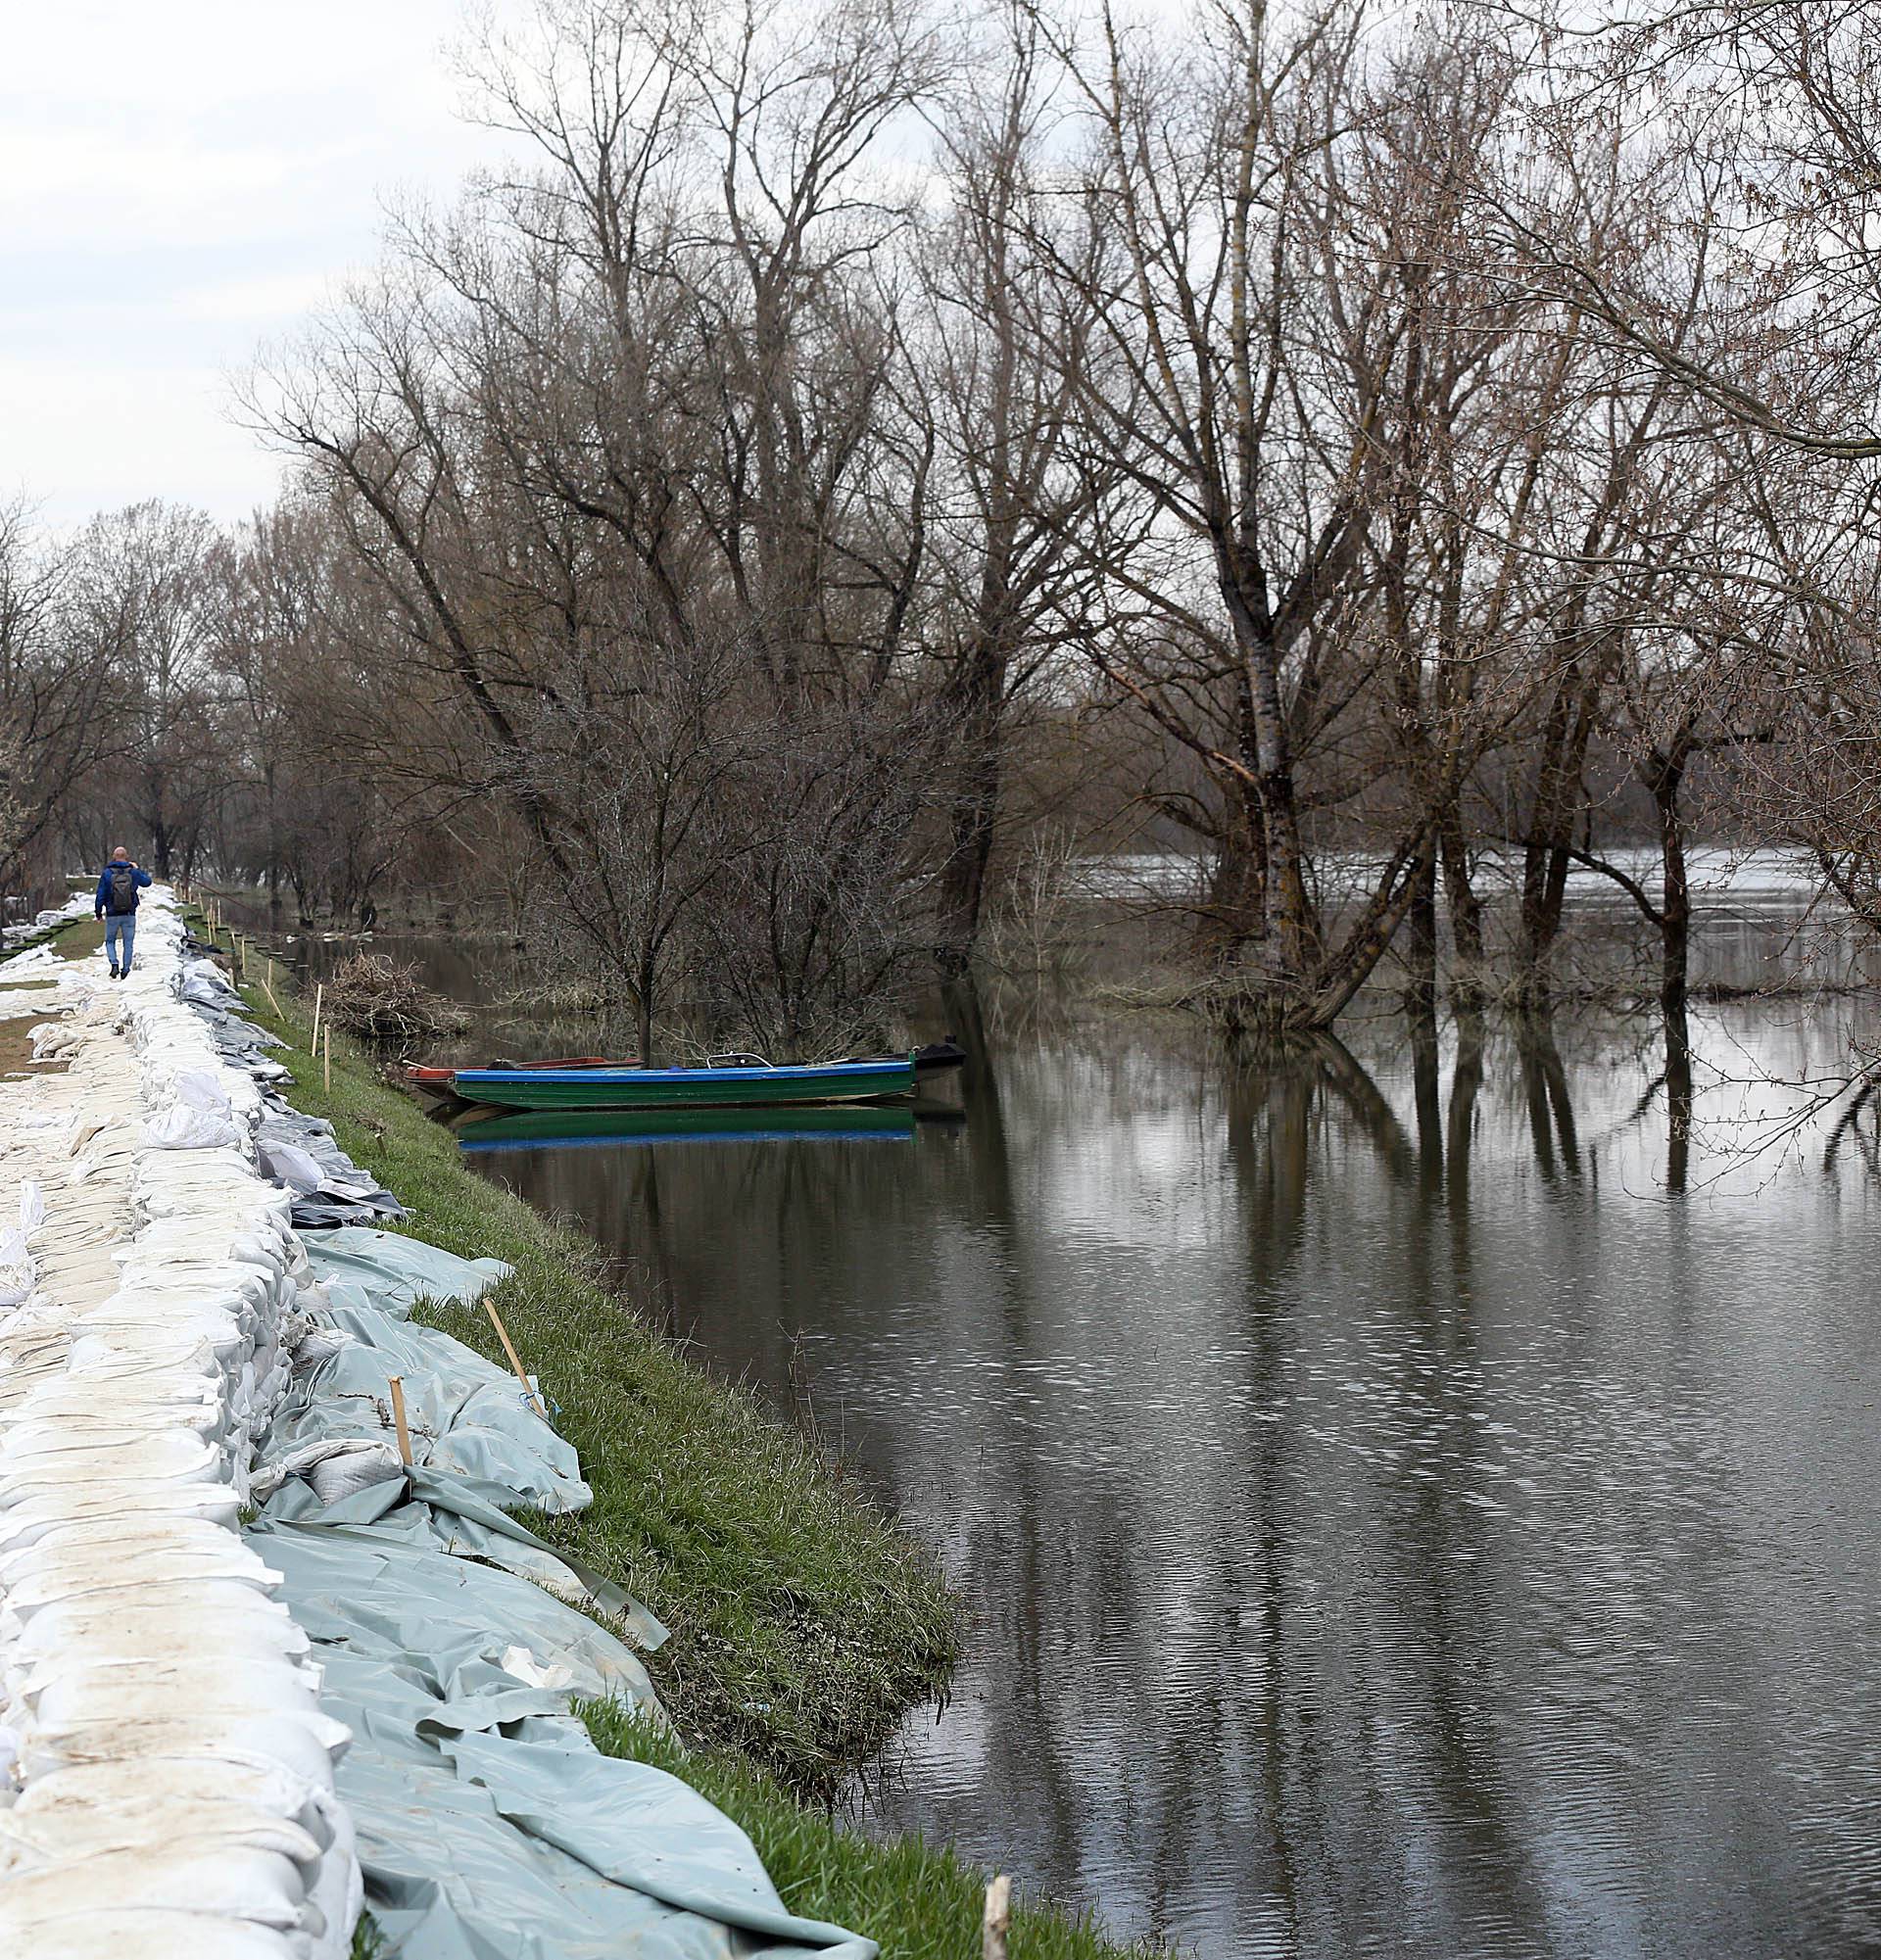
column 137, row 601
column 1002, row 355
column 58, row 714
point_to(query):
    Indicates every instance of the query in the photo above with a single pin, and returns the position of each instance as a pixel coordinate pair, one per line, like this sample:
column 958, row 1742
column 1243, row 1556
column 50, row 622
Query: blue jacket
column 104, row 887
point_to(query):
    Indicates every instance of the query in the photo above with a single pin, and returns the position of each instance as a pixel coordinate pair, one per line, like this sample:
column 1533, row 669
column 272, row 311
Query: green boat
column 743, row 1086
column 533, row 1129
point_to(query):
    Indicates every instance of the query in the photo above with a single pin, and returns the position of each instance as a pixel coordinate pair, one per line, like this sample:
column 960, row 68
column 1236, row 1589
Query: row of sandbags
column 297, row 1152
column 166, row 1768
column 43, row 921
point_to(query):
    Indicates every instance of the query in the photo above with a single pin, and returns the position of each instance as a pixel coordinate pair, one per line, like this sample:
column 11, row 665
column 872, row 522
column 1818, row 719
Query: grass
column 70, row 943
column 804, row 1621
column 918, row 1902
column 74, row 942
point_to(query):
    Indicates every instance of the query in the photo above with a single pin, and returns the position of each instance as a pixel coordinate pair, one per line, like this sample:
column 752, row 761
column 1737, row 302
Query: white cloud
column 177, row 183
column 270, row 297
column 124, row 432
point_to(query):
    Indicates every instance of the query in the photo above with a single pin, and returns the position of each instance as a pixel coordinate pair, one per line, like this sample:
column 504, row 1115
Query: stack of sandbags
column 166, row 1772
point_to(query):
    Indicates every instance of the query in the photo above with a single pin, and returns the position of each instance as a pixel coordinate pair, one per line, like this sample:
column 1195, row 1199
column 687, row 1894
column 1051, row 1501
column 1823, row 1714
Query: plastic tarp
column 387, row 1270
column 464, row 1416
column 300, row 1154
column 489, row 1827
column 487, row 1824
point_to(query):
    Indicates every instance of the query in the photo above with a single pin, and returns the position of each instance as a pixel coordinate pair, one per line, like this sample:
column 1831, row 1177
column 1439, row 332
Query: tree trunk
column 1338, row 981
column 1663, row 772
column 1236, row 908
column 1421, row 923
column 1465, row 905
column 643, row 1012
column 1552, row 812
column 1293, row 935
column 273, row 843
column 1289, row 909
column 1678, row 1097
column 976, row 806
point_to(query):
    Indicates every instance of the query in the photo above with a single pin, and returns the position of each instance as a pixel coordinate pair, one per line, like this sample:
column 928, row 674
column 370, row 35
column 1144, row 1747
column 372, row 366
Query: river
column 1392, row 1519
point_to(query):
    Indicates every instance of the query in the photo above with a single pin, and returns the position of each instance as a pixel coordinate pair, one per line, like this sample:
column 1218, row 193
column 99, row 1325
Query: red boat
column 438, row 1077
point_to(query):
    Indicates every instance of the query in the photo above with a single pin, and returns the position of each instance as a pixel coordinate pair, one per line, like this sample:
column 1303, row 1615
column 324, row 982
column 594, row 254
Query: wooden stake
column 397, row 1420
column 318, row 990
column 268, row 987
column 515, row 1359
column 326, row 1052
column 998, row 1920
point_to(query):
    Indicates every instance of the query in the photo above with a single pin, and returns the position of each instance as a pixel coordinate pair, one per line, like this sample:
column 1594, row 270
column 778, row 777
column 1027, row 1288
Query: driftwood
column 375, row 1000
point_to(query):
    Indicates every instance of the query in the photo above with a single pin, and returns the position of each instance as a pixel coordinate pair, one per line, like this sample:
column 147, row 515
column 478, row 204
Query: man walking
column 116, row 905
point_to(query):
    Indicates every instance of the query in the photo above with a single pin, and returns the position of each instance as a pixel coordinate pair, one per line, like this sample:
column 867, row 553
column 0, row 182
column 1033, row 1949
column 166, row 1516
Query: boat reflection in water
column 564, row 1130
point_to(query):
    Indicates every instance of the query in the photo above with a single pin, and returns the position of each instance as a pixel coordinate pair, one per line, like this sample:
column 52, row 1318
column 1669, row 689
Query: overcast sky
column 179, row 180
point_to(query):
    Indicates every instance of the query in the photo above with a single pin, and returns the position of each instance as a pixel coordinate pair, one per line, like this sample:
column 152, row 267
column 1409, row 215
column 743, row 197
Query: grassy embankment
column 804, row 1622
column 921, row 1902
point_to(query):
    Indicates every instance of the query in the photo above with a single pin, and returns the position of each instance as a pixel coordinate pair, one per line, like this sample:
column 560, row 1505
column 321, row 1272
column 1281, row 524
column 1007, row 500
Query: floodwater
column 1409, row 1500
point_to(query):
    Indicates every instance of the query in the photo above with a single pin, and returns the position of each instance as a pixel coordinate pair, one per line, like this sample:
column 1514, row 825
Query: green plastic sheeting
column 489, row 1825
column 466, row 1415
column 392, row 1271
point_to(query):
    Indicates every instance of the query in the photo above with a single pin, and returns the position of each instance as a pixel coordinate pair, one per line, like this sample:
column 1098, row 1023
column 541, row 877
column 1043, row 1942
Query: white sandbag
column 52, row 1040
column 288, row 1164
column 200, row 1089
column 119, row 1934
column 180, row 1127
column 336, row 1468
column 16, row 1269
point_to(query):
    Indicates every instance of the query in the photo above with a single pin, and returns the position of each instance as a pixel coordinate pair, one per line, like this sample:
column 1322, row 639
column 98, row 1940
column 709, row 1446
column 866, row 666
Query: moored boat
column 744, row 1085
column 437, row 1075
column 939, row 1056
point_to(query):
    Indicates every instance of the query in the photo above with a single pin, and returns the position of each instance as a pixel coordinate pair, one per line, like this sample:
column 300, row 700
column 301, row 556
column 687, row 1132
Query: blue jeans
column 120, row 926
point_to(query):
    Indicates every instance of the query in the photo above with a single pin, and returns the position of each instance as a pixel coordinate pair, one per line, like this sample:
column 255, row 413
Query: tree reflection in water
column 1389, row 1524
